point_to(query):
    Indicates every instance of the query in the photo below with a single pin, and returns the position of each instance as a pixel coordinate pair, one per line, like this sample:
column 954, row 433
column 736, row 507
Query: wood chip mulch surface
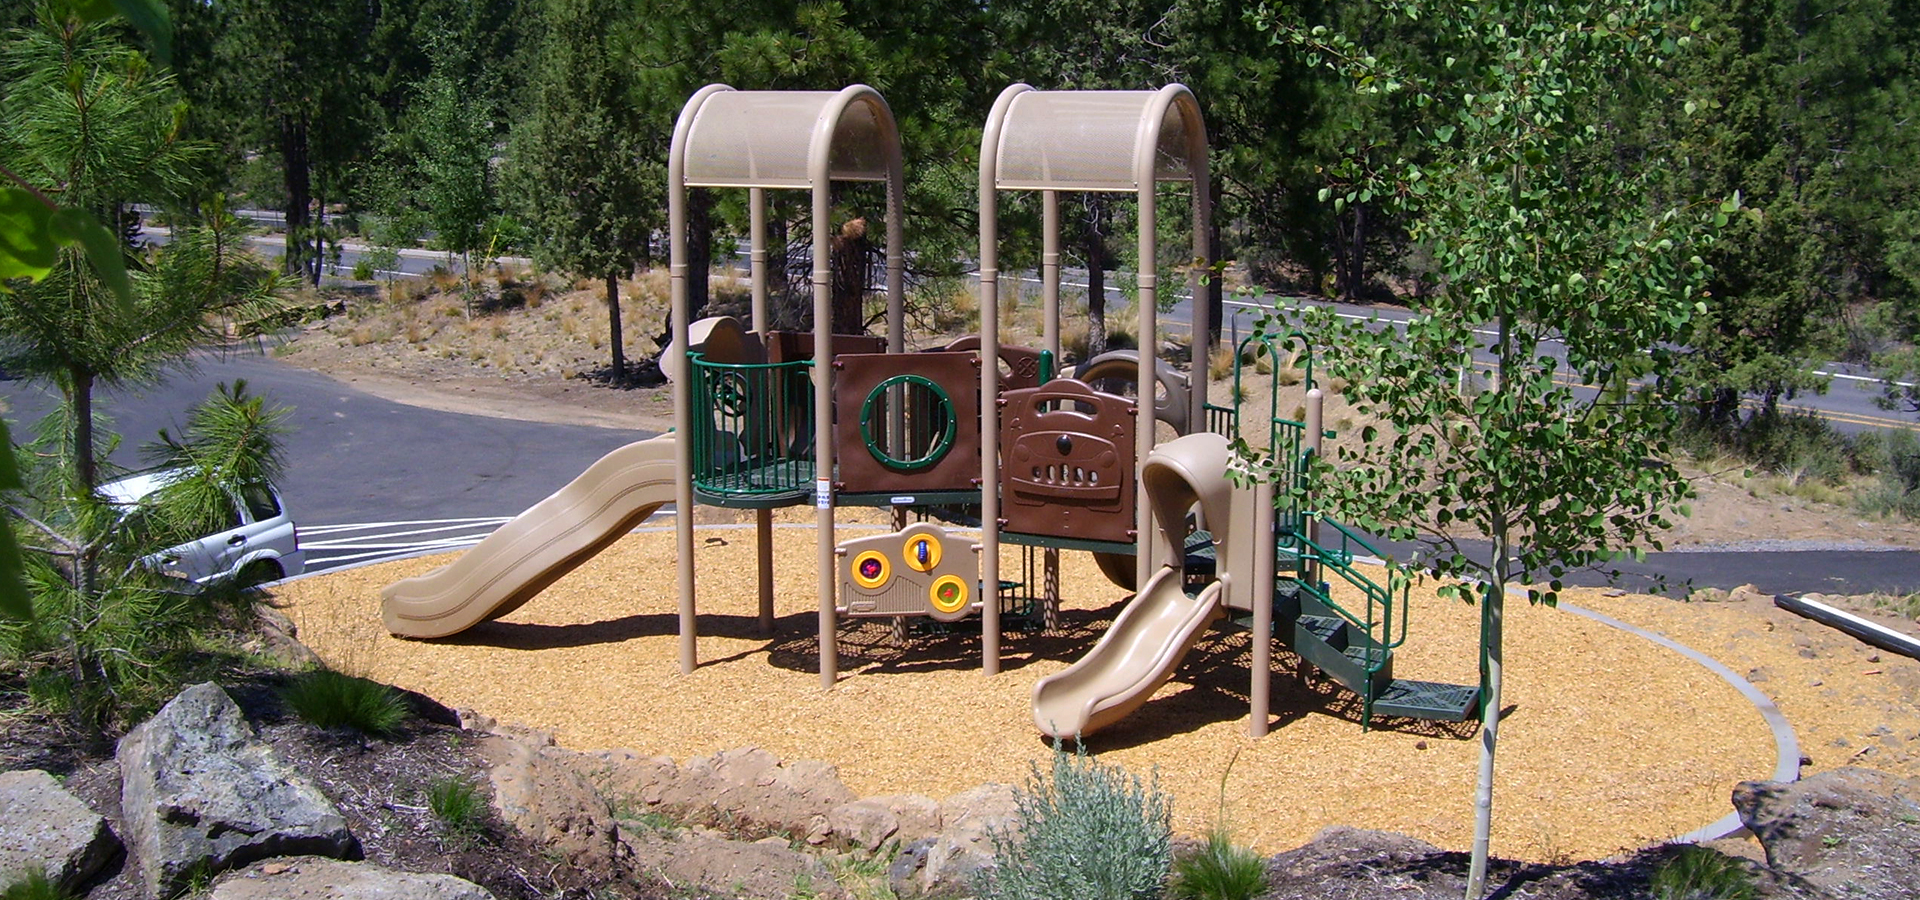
column 1612, row 742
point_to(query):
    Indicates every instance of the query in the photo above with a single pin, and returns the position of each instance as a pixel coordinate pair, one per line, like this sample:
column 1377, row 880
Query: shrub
column 1085, row 830
column 1220, row 870
column 1696, row 873
column 33, row 886
column 456, row 804
column 328, row 699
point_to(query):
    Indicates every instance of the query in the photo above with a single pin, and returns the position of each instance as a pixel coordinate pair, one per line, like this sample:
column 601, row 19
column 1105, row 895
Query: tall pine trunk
column 1351, row 261
column 699, row 250
column 299, row 185
column 613, row 329
column 85, row 467
column 1096, row 278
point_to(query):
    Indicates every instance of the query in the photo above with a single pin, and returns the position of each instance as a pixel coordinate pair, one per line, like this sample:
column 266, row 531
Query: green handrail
column 1378, row 617
column 753, row 428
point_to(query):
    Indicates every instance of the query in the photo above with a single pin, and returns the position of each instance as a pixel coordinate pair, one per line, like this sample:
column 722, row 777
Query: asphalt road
column 368, row 478
column 403, row 477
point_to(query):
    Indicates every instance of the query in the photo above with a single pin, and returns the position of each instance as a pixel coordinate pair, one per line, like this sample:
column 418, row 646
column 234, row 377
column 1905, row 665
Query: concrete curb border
column 1786, row 745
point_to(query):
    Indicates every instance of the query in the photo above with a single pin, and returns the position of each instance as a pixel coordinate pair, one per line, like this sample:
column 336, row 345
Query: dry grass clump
column 521, row 323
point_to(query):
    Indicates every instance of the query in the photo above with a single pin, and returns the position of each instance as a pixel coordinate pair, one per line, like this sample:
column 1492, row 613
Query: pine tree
column 91, row 122
column 586, row 164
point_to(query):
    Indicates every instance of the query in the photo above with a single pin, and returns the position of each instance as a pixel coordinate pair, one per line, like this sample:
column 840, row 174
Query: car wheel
column 259, row 572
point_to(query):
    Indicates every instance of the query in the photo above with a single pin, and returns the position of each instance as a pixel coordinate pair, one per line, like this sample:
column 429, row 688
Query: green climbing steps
column 1353, row 642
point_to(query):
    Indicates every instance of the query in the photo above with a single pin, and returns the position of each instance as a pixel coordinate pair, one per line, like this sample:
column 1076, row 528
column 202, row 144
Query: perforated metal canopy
column 764, row 139
column 1094, row 140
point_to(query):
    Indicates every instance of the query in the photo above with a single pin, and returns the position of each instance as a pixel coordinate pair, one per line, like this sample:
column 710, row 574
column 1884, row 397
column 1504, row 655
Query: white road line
column 401, row 534
column 363, row 526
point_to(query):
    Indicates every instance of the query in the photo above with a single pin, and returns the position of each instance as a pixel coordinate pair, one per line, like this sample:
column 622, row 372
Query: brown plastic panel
column 1067, row 462
column 1023, row 363
column 787, row 346
column 906, row 584
column 857, row 375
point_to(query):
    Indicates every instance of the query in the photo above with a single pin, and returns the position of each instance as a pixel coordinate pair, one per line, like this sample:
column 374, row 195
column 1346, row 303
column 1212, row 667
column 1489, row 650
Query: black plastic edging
column 1872, row 632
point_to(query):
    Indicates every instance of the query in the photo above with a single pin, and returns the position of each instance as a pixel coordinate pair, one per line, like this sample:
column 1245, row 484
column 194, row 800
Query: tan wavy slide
column 521, row 558
column 1132, row 660
column 1151, row 636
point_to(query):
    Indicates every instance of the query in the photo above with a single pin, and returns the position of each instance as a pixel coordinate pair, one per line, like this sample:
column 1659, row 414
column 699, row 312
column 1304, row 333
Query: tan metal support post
column 1145, row 150
column 896, row 256
column 757, row 257
column 762, row 518
column 1260, row 693
column 990, row 380
column 1316, row 402
column 1050, row 273
column 1050, row 340
column 683, row 384
column 819, row 176
column 1202, row 347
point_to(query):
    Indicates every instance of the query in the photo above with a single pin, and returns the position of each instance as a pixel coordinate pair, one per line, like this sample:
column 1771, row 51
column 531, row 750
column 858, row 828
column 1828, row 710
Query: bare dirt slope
column 539, row 352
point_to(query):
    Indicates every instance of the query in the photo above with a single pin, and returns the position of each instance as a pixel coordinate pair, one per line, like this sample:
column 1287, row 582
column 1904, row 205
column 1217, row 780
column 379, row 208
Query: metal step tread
column 1331, row 630
column 1430, row 700
column 1373, row 661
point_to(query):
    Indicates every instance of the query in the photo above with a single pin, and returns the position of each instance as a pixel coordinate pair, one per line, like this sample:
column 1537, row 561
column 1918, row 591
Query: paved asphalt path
column 368, row 478
column 1775, row 571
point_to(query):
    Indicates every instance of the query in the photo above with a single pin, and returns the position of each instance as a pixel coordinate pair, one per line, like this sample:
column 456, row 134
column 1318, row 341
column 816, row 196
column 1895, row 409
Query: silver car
column 258, row 542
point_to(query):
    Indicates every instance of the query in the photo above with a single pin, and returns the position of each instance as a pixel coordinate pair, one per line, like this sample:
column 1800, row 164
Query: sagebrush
column 1085, row 830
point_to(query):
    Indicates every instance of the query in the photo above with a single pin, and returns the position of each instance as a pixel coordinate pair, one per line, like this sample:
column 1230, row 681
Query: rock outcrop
column 320, row 878
column 769, row 869
column 43, row 827
column 1854, row 833
column 872, row 822
column 948, row 861
column 752, row 788
column 202, row 794
column 540, row 791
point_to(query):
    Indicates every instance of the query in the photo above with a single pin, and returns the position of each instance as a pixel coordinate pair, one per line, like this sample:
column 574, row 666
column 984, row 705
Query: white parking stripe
column 362, row 526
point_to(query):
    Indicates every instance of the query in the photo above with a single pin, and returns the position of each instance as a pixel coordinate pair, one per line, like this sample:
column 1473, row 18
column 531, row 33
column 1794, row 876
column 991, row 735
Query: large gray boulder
column 201, row 793
column 1854, row 833
column 319, row 878
column 44, row 827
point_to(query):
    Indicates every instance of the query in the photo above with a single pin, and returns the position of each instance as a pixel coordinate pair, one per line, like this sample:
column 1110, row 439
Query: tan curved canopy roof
column 1090, row 140
column 762, row 139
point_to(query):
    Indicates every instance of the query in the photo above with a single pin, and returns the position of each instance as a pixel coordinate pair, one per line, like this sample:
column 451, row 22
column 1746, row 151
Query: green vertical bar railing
column 753, row 427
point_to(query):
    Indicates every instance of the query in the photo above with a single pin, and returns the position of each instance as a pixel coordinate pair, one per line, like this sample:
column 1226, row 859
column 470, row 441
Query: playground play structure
column 765, row 419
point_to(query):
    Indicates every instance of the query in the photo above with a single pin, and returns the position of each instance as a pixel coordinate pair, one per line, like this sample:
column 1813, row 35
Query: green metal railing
column 1226, row 420
column 752, row 429
column 1377, row 618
